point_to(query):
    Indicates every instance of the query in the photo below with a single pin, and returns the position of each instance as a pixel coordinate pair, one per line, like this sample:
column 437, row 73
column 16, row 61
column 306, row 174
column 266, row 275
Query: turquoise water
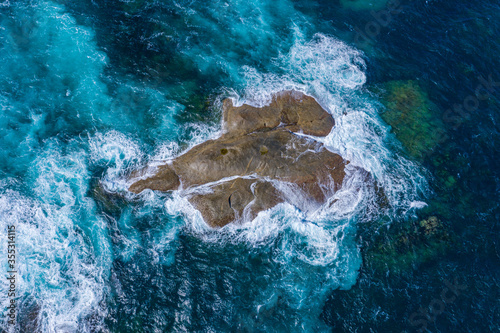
column 92, row 90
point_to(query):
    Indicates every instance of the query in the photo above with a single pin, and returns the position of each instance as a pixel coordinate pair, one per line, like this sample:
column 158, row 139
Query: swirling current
column 92, row 90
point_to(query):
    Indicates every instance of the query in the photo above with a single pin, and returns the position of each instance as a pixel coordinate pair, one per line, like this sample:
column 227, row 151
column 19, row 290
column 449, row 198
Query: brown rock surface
column 259, row 145
column 235, row 200
column 291, row 109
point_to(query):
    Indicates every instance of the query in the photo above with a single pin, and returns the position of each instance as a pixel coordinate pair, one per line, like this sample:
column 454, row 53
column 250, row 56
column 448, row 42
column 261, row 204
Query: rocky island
column 264, row 157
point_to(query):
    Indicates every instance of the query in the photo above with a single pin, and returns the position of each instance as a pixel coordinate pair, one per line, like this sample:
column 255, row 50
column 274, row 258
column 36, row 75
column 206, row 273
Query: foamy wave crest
column 318, row 245
column 117, row 152
column 323, row 67
column 326, row 62
column 312, row 236
column 199, row 133
column 313, row 247
column 56, row 268
column 63, row 250
column 113, row 148
column 333, row 73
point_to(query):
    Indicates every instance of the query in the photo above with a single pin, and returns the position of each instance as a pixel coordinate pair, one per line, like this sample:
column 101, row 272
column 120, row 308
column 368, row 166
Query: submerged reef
column 262, row 159
column 408, row 245
column 412, row 116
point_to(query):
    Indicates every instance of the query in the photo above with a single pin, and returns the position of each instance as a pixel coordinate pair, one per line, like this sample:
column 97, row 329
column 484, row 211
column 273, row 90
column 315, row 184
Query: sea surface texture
column 91, row 90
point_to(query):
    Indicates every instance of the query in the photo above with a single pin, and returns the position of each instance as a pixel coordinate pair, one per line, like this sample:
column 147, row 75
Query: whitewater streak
column 66, row 252
column 332, row 72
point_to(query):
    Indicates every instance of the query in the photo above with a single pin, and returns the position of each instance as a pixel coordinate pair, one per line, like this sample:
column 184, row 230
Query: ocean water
column 92, row 90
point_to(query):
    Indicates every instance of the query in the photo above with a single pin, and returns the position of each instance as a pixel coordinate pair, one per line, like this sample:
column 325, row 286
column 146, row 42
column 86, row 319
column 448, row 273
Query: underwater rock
column 110, row 203
column 431, row 226
column 406, row 246
column 257, row 163
column 412, row 116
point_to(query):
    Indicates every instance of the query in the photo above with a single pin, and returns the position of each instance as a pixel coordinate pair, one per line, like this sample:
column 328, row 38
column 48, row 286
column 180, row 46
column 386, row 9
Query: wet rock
column 277, row 154
column 165, row 179
column 110, row 203
column 234, row 177
column 240, row 199
column 290, row 109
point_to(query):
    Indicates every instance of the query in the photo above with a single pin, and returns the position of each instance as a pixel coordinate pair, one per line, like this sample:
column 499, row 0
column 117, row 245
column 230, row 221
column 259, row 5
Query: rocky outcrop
column 291, row 110
column 239, row 174
column 239, row 199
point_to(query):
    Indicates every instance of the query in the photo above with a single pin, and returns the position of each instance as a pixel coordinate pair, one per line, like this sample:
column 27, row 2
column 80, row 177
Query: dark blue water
column 92, row 90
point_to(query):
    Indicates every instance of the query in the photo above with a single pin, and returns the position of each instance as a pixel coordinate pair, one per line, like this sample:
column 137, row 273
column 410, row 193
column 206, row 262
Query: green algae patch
column 414, row 119
column 407, row 246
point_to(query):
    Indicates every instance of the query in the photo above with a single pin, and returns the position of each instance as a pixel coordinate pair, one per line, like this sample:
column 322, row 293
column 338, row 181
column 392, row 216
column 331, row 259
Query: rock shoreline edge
column 259, row 162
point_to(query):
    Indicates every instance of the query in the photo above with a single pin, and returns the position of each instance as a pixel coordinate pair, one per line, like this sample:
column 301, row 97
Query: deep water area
column 92, row 90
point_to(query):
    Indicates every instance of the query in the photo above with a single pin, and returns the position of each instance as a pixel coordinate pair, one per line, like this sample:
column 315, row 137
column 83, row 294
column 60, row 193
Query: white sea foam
column 117, row 152
column 63, row 250
column 333, row 73
column 313, row 239
column 418, row 204
column 113, row 148
column 202, row 132
column 60, row 267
